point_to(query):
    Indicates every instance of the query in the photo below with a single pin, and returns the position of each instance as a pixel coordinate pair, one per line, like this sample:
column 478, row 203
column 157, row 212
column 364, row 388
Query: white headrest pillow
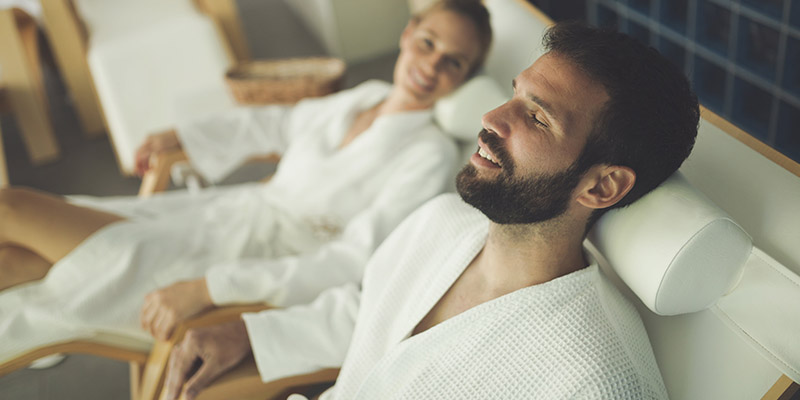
column 459, row 113
column 674, row 248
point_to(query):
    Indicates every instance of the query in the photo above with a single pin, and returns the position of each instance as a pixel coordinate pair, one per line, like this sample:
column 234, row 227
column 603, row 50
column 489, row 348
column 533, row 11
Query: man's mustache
column 497, row 148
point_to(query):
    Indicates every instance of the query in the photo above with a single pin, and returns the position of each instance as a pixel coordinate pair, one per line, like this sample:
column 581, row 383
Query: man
column 495, row 298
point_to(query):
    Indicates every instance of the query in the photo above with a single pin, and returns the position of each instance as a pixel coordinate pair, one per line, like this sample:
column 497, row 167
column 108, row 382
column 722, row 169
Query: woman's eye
column 427, row 43
column 454, row 63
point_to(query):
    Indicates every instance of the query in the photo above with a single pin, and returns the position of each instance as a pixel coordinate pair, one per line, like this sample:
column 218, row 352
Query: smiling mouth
column 483, row 153
column 419, row 80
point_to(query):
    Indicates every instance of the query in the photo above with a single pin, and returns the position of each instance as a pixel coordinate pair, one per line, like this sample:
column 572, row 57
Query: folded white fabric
column 764, row 310
column 674, row 248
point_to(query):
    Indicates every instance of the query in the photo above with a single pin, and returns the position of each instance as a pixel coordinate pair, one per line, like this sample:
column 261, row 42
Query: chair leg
column 153, row 372
column 226, row 16
column 135, row 369
column 3, row 168
column 68, row 40
column 23, row 80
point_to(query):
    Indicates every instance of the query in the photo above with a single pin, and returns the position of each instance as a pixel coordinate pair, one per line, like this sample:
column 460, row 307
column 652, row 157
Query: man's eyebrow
column 539, row 102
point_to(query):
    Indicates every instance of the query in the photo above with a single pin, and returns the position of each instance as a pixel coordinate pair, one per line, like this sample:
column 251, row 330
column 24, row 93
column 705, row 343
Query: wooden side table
column 21, row 74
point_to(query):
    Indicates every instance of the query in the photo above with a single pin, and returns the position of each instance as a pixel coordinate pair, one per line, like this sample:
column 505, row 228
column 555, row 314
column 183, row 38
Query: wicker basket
column 284, row 81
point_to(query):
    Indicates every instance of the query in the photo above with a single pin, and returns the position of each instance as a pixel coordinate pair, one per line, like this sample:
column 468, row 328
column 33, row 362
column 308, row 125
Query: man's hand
column 165, row 308
column 216, row 349
column 155, row 144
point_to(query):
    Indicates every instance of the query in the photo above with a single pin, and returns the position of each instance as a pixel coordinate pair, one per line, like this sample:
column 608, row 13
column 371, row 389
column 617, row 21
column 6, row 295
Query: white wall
column 355, row 30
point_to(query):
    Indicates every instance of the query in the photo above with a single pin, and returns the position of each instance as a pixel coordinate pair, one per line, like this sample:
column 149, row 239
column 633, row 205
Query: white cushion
column 141, row 76
column 459, row 113
column 108, row 18
column 674, row 248
column 517, row 39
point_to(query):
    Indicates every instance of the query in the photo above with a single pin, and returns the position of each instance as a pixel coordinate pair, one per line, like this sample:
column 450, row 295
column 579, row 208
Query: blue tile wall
column 742, row 56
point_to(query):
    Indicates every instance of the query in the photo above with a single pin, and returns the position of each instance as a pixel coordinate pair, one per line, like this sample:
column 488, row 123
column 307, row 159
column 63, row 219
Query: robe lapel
column 380, row 141
column 436, row 283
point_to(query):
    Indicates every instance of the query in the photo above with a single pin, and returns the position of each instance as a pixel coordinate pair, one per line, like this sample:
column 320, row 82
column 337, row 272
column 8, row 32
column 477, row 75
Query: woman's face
column 436, row 54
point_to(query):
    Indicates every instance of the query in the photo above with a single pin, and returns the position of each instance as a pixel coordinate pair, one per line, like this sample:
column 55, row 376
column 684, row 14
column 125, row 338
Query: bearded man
column 489, row 294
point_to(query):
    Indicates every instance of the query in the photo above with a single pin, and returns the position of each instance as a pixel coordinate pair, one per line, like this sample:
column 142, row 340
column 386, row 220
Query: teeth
column 420, row 80
column 484, row 154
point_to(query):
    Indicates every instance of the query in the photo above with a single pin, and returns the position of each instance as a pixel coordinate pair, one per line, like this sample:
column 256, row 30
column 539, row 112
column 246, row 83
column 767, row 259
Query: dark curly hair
column 649, row 123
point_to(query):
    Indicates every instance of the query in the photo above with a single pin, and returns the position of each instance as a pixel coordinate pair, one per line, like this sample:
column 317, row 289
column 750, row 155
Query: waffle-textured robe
column 312, row 226
column 573, row 337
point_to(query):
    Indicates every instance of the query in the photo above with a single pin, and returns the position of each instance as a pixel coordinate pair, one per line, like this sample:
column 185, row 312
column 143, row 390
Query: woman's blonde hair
column 475, row 11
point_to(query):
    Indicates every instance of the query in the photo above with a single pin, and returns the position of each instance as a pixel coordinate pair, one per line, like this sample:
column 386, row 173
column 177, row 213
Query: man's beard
column 514, row 200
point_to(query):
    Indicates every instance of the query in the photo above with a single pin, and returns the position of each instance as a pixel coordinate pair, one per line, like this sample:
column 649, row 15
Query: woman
column 355, row 165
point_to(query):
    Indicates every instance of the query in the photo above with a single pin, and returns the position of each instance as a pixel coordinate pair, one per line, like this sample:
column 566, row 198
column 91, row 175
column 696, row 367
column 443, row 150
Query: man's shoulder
column 433, row 228
column 609, row 351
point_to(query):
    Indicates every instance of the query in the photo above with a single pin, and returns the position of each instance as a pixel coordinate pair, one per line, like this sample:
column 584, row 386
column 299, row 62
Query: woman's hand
column 165, row 308
column 155, row 144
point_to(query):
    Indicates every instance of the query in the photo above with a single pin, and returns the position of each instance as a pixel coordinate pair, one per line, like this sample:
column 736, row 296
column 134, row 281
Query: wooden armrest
column 157, row 178
column 244, row 382
column 154, row 370
column 783, row 389
column 214, row 316
column 74, row 347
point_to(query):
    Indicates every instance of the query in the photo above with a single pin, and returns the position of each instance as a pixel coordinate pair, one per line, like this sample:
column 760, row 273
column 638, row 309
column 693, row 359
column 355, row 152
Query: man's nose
column 497, row 120
column 432, row 63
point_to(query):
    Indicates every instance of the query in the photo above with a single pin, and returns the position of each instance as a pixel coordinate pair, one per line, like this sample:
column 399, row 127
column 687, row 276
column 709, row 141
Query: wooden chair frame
column 243, row 382
column 158, row 177
column 147, row 368
column 4, row 107
column 24, row 92
column 69, row 39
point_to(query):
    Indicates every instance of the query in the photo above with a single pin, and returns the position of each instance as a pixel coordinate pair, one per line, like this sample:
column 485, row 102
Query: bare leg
column 46, row 225
column 18, row 265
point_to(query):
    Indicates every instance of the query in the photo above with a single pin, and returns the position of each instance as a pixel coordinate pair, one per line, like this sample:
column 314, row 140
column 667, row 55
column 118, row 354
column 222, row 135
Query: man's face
column 524, row 170
column 436, row 54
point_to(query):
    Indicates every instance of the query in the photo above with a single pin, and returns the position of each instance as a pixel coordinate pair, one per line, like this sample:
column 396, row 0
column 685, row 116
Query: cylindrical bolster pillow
column 674, row 248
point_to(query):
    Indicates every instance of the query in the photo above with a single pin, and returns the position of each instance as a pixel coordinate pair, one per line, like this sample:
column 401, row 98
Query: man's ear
column 605, row 185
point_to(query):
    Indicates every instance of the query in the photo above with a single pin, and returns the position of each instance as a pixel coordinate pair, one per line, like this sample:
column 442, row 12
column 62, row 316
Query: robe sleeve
column 306, row 338
column 217, row 145
column 420, row 175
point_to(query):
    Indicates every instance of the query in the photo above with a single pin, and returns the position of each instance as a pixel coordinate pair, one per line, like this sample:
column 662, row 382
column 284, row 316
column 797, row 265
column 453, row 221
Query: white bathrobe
column 573, row 337
column 311, row 227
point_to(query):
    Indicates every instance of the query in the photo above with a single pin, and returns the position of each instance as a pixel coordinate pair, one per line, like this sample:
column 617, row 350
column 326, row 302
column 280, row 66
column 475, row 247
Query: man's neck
column 514, row 257
column 517, row 256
